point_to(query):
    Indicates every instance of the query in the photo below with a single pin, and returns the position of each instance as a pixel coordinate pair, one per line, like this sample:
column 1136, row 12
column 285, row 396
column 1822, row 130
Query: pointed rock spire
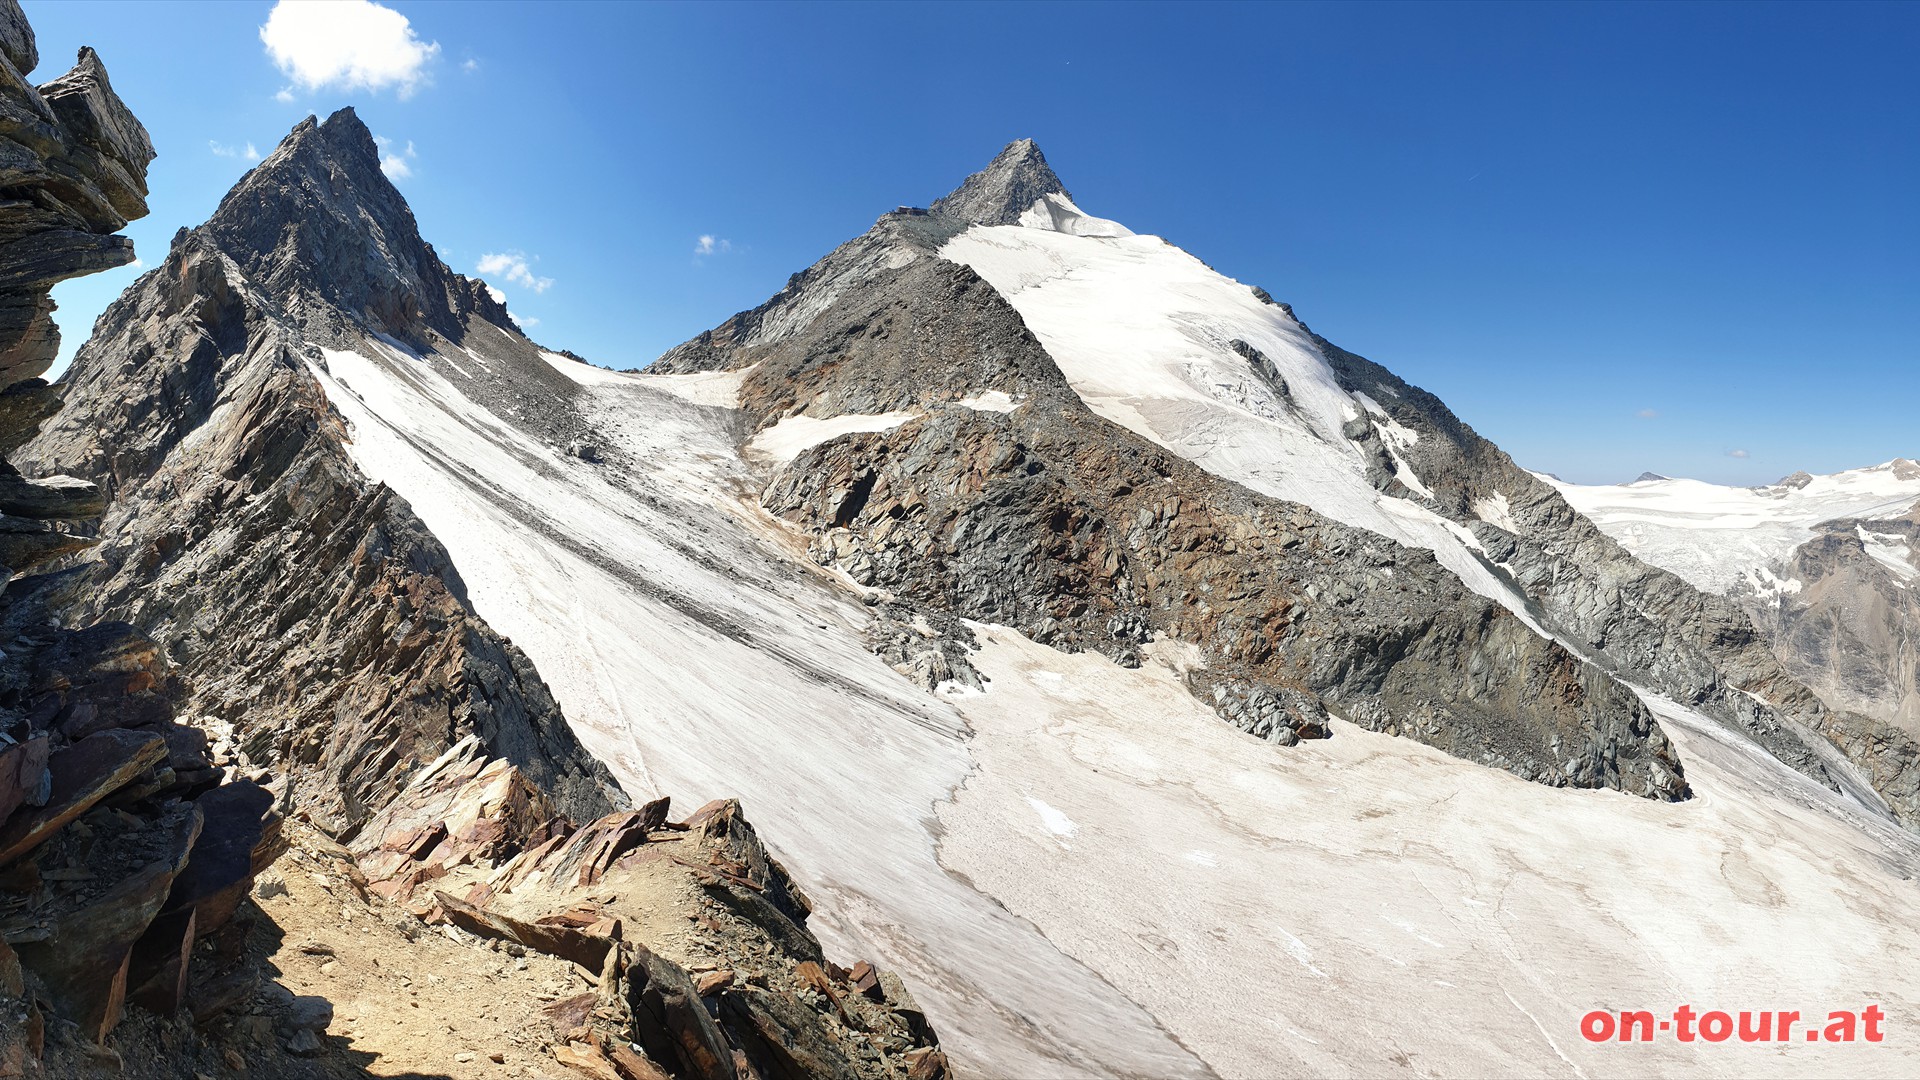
column 319, row 220
column 1010, row 184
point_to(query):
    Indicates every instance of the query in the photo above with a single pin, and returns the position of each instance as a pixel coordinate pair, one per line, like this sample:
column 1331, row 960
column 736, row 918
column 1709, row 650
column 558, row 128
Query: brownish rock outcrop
column 695, row 935
column 114, row 821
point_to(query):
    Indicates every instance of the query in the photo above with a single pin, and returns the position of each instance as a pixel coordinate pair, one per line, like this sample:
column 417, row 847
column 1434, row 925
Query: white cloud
column 1647, row 414
column 512, row 266
column 711, row 245
column 138, row 264
column 396, row 163
column 470, row 66
column 220, row 150
column 346, row 45
column 527, row 322
column 1738, row 453
column 498, row 296
column 285, row 94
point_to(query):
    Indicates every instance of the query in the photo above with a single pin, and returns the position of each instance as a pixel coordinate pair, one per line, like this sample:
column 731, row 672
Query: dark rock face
column 358, row 658
column 318, row 227
column 1649, row 625
column 1011, row 183
column 73, row 166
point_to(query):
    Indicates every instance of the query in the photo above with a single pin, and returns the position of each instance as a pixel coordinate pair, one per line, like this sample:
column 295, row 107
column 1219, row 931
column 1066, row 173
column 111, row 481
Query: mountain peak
column 1012, row 182
column 318, row 219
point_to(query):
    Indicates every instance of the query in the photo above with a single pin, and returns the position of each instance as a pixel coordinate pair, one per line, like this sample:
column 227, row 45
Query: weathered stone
column 587, row 950
column 241, row 840
column 83, row 774
column 84, row 964
column 62, row 498
column 586, row 1060
column 26, row 543
column 23, row 774
column 672, row 1022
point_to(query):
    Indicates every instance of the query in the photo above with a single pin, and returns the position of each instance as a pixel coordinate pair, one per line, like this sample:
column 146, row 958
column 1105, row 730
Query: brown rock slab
column 565, row 942
column 83, row 774
column 570, row 1015
column 23, row 768
column 242, row 838
column 586, row 1061
column 83, row 965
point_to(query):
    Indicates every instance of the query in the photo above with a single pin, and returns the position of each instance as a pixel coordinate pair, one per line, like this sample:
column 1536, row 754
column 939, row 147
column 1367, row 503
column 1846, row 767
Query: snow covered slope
column 699, row 653
column 1156, row 341
column 1080, row 869
column 1715, row 536
column 1363, row 904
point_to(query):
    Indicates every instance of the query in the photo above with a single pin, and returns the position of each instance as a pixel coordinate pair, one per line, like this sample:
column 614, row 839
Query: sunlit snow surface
column 699, row 656
column 1144, row 331
column 1713, row 536
column 1363, row 905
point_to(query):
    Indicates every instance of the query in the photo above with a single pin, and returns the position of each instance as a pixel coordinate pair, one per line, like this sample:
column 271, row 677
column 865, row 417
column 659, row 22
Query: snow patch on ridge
column 583, row 373
column 1496, row 511
column 782, row 442
column 1891, row 551
column 1056, row 213
column 990, row 401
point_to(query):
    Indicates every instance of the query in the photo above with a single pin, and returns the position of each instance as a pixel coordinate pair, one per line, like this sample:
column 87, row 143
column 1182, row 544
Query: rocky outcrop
column 124, row 838
column 73, row 166
column 694, row 936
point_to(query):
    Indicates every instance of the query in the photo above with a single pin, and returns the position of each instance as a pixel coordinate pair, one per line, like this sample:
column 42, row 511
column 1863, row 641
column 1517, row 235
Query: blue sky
column 1612, row 237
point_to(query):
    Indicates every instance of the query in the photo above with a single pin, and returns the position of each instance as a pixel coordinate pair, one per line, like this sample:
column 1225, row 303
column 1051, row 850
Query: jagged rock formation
column 323, row 633
column 124, row 843
column 235, row 505
column 1852, row 629
column 1050, row 519
column 696, row 934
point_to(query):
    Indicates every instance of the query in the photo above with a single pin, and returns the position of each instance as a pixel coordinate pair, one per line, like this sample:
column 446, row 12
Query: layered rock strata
column 125, row 842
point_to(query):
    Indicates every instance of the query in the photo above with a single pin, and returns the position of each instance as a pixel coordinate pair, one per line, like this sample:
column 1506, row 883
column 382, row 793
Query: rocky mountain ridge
column 305, row 615
column 801, row 355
